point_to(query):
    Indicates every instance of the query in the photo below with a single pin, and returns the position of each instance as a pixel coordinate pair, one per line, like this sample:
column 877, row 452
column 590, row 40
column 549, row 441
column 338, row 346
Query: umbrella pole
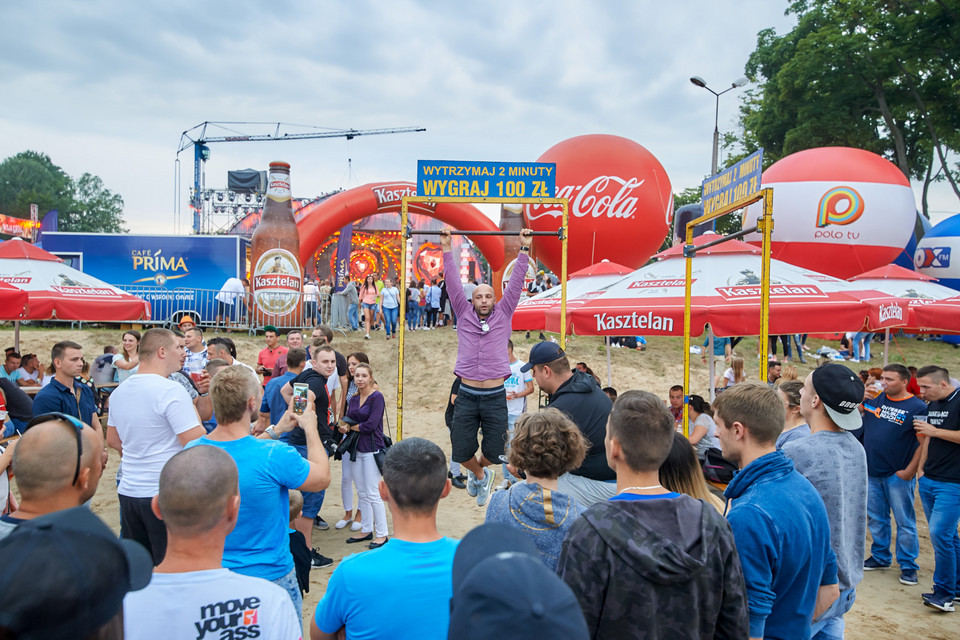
column 609, row 367
column 886, row 345
column 16, row 335
column 713, row 365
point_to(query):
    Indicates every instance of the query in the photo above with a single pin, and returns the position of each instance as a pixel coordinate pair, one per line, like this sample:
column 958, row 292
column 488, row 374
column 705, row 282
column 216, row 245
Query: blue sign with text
column 733, row 184
column 446, row 178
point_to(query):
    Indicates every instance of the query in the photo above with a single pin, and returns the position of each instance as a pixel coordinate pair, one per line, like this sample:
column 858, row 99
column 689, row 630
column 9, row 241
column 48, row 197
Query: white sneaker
column 485, row 486
column 356, row 526
column 341, row 524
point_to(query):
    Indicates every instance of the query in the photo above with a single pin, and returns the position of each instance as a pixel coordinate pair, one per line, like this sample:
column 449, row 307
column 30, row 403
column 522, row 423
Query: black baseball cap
column 542, row 353
column 841, row 391
column 65, row 575
column 536, row 604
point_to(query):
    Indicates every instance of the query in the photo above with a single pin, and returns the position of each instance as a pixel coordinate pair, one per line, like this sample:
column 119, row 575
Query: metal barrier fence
column 211, row 309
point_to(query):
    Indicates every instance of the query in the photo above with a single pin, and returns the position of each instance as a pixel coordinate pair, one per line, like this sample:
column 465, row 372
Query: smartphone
column 300, row 397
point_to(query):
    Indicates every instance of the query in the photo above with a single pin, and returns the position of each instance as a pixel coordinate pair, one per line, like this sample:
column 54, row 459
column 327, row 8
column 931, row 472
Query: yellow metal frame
column 404, row 218
column 765, row 227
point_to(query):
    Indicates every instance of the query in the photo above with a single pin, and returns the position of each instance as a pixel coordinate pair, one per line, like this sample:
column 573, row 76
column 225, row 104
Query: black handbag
column 716, row 468
column 379, row 455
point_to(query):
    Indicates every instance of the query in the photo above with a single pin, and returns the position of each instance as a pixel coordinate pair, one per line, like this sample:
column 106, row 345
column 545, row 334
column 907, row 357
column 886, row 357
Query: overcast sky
column 107, row 87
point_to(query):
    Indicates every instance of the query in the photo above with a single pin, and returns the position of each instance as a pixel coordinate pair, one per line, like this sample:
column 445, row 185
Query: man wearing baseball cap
column 835, row 463
column 578, row 395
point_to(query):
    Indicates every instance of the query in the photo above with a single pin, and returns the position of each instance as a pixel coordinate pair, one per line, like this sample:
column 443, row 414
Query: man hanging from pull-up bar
column 483, row 330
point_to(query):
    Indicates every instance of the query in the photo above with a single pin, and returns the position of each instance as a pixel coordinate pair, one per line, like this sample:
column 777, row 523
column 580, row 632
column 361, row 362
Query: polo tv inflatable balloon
column 938, row 253
column 620, row 203
column 837, row 210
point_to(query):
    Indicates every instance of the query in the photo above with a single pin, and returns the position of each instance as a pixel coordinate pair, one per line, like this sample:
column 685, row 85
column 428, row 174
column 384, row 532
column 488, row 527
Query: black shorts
column 138, row 522
column 483, row 410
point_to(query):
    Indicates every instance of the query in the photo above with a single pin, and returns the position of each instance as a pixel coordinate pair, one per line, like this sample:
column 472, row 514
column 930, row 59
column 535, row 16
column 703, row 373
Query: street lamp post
column 700, row 82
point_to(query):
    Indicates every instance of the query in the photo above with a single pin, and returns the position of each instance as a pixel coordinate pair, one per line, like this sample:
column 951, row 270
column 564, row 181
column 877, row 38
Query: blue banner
column 451, row 178
column 734, row 184
column 343, row 258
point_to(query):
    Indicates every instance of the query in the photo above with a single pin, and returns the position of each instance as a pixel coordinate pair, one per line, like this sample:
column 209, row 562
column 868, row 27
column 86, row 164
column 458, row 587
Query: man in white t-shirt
column 311, row 296
column 151, row 419
column 191, row 595
column 518, row 386
column 232, row 290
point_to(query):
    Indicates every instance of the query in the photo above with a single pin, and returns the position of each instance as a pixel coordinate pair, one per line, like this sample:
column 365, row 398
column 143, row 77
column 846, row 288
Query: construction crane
column 198, row 138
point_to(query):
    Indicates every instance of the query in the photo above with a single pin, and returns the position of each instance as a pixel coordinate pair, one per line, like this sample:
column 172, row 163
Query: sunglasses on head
column 72, row 421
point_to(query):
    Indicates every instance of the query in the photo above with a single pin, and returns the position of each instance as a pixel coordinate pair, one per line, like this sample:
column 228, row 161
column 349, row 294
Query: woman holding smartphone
column 365, row 415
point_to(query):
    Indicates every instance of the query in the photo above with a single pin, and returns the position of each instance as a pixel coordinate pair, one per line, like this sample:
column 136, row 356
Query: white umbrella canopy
column 931, row 306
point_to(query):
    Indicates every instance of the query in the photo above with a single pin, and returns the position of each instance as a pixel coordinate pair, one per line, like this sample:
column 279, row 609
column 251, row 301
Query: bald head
column 196, row 485
column 46, row 457
column 483, row 300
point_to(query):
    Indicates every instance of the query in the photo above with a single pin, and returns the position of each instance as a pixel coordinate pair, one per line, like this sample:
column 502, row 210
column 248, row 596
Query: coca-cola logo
column 593, row 199
column 890, row 312
column 619, row 203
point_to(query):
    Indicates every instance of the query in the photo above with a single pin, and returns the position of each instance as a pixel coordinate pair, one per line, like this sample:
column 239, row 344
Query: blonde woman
column 787, row 373
column 733, row 375
column 681, row 473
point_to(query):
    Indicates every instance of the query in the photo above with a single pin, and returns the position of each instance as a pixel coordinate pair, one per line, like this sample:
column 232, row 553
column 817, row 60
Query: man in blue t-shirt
column 411, row 572
column 893, row 454
column 258, row 546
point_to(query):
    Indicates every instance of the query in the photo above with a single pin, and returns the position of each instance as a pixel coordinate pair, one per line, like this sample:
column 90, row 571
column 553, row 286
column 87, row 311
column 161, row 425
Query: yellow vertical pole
column 766, row 226
column 403, row 315
column 563, row 278
column 687, row 294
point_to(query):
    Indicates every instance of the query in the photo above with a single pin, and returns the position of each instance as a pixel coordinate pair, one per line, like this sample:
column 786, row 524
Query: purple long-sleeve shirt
column 483, row 356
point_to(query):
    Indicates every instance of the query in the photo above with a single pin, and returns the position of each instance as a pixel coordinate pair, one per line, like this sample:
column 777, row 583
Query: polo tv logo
column 935, row 257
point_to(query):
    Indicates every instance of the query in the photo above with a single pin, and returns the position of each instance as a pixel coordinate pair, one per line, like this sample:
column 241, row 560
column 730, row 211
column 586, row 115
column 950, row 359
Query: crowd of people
column 604, row 525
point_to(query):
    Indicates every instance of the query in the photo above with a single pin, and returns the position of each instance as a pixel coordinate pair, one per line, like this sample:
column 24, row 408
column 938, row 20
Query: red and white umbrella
column 931, row 306
column 56, row 290
column 12, row 300
column 530, row 314
column 726, row 294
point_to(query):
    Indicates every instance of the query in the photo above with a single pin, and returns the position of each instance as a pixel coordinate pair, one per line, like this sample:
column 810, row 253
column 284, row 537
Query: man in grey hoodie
column 650, row 563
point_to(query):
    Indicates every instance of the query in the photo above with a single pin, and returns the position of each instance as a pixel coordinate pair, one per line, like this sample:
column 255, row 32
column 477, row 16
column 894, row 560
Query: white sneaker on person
column 485, row 486
column 473, row 485
column 341, row 524
column 356, row 526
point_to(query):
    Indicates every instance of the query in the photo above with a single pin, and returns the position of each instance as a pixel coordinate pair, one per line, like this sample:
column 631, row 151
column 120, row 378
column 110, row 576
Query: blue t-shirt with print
column 258, row 546
column 412, row 599
column 888, row 435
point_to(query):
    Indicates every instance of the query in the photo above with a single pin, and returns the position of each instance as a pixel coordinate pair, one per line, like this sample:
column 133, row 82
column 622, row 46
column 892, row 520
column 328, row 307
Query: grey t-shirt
column 836, row 465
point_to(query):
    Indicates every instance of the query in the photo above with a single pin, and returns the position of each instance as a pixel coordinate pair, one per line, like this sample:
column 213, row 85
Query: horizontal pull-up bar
column 455, row 232
column 690, row 251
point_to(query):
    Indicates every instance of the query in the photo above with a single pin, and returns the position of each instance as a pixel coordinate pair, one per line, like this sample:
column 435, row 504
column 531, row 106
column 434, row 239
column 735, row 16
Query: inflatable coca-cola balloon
column 620, row 203
column 837, row 210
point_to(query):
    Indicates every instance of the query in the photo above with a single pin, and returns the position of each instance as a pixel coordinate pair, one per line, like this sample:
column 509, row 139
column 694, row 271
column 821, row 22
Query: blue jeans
column 12, row 425
column 830, row 625
column 413, row 316
column 312, row 500
column 352, row 315
column 941, row 505
column 865, row 337
column 883, row 496
column 390, row 320
column 289, row 584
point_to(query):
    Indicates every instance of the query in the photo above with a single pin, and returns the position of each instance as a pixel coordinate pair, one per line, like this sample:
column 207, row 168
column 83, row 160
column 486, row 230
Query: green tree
column 85, row 204
column 94, row 208
column 31, row 177
column 880, row 76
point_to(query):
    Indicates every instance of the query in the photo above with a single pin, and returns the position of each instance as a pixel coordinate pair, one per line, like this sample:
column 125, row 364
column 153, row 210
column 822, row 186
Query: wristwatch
column 272, row 433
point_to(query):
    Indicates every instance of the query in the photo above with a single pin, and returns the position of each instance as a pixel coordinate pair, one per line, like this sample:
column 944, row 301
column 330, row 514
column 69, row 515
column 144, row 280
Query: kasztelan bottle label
column 278, row 186
column 276, row 281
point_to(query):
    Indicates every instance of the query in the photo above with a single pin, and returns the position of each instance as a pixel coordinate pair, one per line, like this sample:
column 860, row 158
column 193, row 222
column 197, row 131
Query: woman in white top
column 390, row 306
column 704, row 432
column 732, row 375
column 127, row 362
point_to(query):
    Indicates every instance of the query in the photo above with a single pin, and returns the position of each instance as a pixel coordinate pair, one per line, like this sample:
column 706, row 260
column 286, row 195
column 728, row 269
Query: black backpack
column 715, row 468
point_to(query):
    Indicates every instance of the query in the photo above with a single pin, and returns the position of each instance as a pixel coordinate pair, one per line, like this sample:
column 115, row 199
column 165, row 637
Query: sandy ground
column 884, row 607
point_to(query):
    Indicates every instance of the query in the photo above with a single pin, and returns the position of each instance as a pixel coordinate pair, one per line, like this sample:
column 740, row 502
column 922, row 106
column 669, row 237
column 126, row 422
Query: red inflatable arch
column 327, row 217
